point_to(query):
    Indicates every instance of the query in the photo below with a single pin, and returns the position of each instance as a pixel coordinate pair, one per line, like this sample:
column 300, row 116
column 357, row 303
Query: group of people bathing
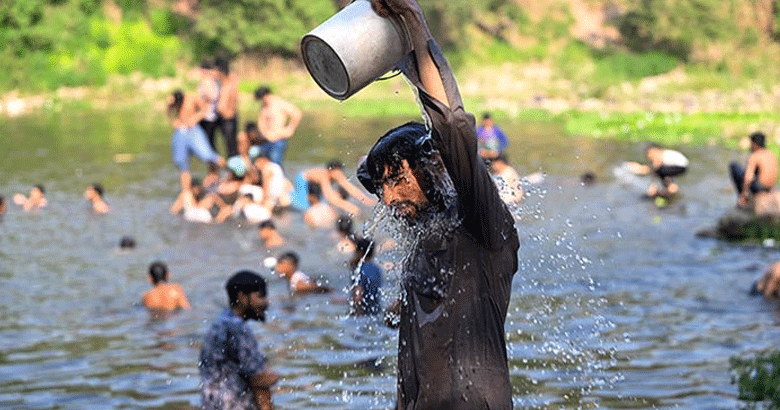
column 254, row 185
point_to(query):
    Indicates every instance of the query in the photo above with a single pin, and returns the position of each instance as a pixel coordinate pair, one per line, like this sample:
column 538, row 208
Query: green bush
column 620, row 65
column 758, row 378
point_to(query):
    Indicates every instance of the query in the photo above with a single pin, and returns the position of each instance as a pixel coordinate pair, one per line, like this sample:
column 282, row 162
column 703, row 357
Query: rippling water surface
column 617, row 303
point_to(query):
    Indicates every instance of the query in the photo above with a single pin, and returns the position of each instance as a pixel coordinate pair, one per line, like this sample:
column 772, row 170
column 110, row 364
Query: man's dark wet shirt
column 228, row 359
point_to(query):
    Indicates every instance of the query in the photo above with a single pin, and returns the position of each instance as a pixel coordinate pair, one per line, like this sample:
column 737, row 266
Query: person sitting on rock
column 760, row 172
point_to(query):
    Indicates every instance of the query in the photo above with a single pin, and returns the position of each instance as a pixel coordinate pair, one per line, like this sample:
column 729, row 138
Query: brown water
column 616, row 304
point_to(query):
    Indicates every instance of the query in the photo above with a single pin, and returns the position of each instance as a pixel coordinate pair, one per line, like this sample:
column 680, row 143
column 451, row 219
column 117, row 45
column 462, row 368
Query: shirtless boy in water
column 94, row 194
column 300, row 283
column 36, row 200
column 164, row 296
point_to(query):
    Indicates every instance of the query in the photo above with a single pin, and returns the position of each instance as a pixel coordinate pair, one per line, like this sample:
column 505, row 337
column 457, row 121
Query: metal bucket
column 352, row 49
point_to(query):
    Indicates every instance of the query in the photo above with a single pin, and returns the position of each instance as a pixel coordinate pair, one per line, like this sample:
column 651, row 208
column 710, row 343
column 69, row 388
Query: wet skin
column 402, row 192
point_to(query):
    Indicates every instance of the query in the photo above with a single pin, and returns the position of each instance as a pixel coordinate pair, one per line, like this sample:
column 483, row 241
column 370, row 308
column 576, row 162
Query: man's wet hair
column 314, row 189
column 158, row 271
column 334, row 164
column 127, row 242
column 398, row 144
column 261, row 92
column 266, row 224
column 222, row 64
column 411, row 142
column 98, row 188
column 365, row 247
column 344, row 224
column 40, row 188
column 246, row 282
column 291, row 257
column 758, row 138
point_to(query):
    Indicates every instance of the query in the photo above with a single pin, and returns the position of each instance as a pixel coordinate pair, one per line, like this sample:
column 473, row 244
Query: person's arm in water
column 311, row 286
column 261, row 387
column 357, row 297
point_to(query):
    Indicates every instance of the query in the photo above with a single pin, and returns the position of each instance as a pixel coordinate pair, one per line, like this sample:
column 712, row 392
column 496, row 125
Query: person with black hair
column 333, row 173
column 234, row 373
column 365, row 298
column 185, row 112
column 127, row 242
column 278, row 119
column 36, row 199
column 492, row 140
column 461, row 239
column 267, row 232
column 346, row 234
column 94, row 194
column 759, row 173
column 227, row 105
column 299, row 282
column 164, row 296
column 319, row 215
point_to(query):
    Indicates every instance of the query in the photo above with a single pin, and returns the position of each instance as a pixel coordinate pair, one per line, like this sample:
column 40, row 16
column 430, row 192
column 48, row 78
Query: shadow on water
column 616, row 304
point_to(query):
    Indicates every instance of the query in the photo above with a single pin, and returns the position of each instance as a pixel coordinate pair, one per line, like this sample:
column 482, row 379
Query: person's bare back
column 766, row 167
column 166, row 296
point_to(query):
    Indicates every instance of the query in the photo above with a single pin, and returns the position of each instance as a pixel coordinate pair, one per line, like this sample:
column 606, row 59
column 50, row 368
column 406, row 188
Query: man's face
column 256, row 307
column 402, row 192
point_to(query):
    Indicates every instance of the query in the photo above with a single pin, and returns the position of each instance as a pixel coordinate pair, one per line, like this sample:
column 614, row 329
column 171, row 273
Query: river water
column 617, row 304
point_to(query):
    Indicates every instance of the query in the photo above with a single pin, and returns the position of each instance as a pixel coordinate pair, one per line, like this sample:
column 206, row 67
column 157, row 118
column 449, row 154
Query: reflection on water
column 616, row 305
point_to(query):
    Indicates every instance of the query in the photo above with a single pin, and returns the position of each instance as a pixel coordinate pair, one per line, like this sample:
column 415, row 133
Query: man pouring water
column 457, row 277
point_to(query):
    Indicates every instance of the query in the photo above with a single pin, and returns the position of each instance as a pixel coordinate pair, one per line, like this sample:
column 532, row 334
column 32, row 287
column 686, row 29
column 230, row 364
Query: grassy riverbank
column 642, row 110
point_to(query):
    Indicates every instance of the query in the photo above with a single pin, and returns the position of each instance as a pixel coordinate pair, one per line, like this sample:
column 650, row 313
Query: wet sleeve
column 483, row 213
column 250, row 360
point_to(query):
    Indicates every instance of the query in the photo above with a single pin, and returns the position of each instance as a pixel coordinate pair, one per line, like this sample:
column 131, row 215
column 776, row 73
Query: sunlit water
column 617, row 304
